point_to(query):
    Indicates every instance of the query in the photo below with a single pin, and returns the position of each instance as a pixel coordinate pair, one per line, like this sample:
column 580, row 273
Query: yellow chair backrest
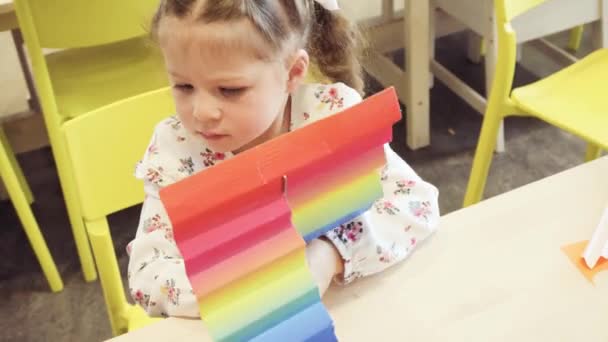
column 98, row 22
column 65, row 24
column 506, row 10
column 512, row 8
column 105, row 145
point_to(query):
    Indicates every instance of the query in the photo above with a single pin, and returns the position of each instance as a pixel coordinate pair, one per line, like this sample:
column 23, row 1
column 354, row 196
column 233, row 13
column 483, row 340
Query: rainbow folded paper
column 241, row 225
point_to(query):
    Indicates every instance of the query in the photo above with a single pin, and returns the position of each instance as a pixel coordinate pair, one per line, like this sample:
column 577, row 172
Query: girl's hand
column 324, row 262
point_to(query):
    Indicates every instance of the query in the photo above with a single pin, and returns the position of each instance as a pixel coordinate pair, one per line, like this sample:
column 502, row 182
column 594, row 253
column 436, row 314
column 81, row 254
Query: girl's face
column 224, row 93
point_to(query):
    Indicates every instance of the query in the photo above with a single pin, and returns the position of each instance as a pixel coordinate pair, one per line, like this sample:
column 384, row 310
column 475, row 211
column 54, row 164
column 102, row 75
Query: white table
column 8, row 22
column 494, row 272
column 400, row 24
column 391, row 30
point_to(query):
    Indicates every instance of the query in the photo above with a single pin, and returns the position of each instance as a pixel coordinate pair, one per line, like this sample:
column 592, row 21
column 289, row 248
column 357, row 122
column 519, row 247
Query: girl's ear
column 298, row 68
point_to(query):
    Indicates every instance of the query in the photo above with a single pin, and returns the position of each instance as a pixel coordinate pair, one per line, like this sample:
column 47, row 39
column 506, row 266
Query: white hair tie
column 330, row 5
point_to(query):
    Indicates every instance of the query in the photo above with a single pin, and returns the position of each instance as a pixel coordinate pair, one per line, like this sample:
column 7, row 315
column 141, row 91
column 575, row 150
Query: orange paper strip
column 575, row 254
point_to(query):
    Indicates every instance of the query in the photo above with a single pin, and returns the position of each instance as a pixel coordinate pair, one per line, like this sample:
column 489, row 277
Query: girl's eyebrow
column 226, row 78
column 176, row 74
column 235, row 79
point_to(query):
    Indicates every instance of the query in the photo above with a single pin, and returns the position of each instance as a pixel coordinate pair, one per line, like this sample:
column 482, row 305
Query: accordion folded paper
column 241, row 225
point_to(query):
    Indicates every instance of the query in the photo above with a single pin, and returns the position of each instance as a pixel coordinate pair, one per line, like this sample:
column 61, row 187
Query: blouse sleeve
column 390, row 231
column 406, row 215
column 156, row 272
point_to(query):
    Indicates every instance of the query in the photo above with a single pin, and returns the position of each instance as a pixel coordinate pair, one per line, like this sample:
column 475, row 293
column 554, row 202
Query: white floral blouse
column 381, row 237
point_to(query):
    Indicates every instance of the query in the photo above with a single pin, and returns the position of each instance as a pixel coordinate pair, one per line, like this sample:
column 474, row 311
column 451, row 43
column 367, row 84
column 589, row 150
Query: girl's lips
column 212, row 136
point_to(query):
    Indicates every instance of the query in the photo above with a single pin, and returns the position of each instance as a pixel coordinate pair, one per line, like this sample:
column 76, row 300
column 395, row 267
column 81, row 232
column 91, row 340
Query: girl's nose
column 205, row 110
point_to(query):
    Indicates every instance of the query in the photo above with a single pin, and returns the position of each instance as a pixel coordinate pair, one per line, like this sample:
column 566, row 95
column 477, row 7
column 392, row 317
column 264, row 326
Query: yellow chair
column 102, row 57
column 103, row 190
column 573, row 99
column 315, row 75
column 576, row 37
column 20, row 194
column 126, row 127
column 574, row 42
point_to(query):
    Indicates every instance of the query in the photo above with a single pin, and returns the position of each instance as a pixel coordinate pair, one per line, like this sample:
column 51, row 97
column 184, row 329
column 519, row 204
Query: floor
column 31, row 313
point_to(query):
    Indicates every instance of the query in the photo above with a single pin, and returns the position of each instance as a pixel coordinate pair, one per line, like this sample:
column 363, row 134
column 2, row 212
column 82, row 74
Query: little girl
column 237, row 68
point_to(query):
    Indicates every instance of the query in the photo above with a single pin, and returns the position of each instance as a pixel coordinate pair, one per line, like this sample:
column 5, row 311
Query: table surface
column 494, row 272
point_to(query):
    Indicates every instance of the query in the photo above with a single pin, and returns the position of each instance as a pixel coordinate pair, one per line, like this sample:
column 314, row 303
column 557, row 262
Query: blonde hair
column 330, row 39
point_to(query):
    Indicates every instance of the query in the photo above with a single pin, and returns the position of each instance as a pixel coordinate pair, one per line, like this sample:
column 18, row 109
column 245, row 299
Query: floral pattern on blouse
column 379, row 238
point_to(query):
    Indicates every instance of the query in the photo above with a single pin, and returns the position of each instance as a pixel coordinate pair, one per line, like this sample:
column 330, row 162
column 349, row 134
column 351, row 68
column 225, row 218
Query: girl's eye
column 232, row 92
column 184, row 87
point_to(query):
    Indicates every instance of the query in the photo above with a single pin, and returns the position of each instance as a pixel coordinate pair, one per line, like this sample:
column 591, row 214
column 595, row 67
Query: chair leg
column 109, row 275
column 70, row 194
column 576, row 37
column 33, row 101
column 483, row 156
column 16, row 167
column 476, row 47
column 593, row 152
column 491, row 61
column 32, row 230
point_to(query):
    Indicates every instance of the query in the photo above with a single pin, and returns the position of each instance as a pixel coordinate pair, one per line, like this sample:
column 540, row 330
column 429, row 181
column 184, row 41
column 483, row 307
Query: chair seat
column 138, row 318
column 573, row 99
column 88, row 78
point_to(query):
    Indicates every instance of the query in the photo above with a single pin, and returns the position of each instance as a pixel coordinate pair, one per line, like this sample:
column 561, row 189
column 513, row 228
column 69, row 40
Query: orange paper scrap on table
column 575, row 254
column 590, row 256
